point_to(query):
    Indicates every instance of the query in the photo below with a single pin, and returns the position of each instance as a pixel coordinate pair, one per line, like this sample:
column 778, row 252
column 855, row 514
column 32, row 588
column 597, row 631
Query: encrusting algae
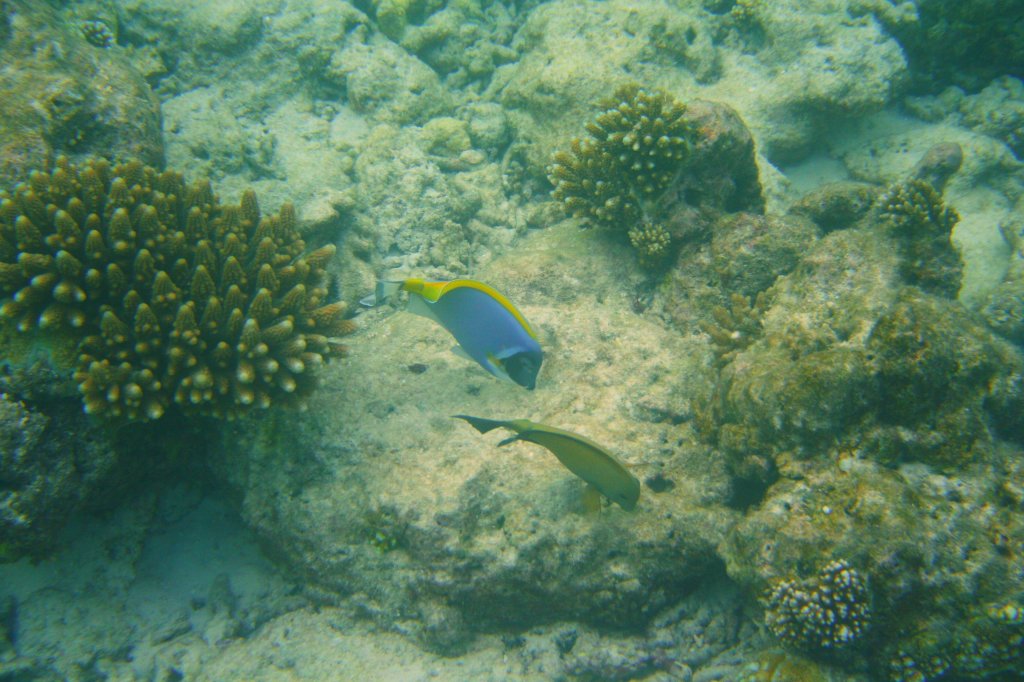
column 171, row 297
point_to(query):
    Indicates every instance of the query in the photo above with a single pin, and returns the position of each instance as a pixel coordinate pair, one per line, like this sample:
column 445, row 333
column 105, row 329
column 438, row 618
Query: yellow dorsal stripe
column 433, row 291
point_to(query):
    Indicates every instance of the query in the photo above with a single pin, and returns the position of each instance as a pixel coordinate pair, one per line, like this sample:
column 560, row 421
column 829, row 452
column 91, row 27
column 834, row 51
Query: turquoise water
column 772, row 254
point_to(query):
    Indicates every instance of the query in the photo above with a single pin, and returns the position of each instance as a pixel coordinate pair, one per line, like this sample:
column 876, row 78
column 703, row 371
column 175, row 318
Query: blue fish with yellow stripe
column 485, row 324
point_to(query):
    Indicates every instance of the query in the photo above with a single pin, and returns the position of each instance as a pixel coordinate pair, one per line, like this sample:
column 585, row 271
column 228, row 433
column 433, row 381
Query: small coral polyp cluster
column 616, row 176
column 830, row 611
column 171, row 297
column 922, row 226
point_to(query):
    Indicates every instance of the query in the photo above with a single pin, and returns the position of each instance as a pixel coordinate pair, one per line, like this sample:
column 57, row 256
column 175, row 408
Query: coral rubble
column 172, row 297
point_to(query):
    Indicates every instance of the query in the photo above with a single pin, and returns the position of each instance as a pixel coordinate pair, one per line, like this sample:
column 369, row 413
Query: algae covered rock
column 64, row 95
column 749, row 251
column 427, row 199
column 837, row 205
column 53, row 458
column 172, row 298
column 464, row 42
column 965, row 43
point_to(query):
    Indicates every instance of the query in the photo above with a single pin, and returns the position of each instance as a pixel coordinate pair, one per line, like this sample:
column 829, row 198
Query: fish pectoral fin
column 510, row 439
column 591, row 500
column 497, row 367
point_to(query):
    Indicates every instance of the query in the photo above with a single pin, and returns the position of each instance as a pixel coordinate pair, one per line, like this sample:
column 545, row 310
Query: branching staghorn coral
column 616, row 176
column 171, row 297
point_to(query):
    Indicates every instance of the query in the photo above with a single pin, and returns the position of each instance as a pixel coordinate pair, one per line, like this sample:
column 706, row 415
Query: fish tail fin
column 386, row 288
column 511, row 439
column 479, row 423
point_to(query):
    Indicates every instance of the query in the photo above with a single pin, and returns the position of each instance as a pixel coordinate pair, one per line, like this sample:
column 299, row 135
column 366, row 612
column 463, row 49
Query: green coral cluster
column 828, row 612
column 651, row 243
column 922, row 225
column 616, row 176
column 171, row 297
column 97, row 33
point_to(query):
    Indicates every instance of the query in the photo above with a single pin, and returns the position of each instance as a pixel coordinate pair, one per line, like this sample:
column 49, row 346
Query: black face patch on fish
column 523, row 369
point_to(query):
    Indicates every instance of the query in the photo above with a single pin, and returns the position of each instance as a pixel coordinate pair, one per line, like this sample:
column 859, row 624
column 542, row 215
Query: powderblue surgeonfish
column 486, row 325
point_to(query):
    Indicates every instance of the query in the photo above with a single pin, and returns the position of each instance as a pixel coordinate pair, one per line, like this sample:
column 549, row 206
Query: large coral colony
column 617, row 176
column 171, row 297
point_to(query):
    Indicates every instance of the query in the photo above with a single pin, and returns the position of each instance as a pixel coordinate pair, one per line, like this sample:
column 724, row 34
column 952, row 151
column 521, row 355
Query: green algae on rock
column 172, row 297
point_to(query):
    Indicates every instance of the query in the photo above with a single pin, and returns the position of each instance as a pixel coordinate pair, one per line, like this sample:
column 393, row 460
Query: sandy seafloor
column 414, row 135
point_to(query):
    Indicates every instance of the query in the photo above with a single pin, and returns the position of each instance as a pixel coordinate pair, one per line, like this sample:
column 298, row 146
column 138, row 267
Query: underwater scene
column 562, row 340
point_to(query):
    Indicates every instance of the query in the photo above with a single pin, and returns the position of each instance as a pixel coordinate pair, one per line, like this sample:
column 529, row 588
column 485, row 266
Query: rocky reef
column 966, row 43
column 826, row 431
column 860, row 417
column 171, row 297
column 54, row 462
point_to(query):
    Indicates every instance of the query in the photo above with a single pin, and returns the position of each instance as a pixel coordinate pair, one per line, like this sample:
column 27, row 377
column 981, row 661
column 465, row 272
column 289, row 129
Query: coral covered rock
column 636, row 147
column 865, row 420
column 172, row 297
